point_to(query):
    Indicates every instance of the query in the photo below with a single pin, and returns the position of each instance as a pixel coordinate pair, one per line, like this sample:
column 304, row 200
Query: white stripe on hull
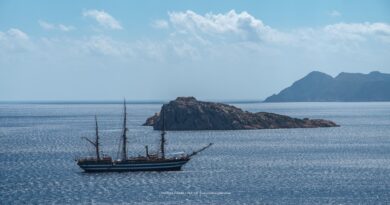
column 134, row 167
column 113, row 168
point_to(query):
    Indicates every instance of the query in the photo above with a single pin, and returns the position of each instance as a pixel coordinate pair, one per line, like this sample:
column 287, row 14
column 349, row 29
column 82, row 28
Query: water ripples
column 348, row 164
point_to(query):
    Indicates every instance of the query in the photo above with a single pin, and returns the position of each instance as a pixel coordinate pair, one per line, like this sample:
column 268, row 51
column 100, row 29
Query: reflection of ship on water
column 150, row 162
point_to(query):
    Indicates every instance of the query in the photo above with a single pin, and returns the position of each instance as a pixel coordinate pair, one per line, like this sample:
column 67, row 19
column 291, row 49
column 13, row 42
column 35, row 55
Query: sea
column 350, row 164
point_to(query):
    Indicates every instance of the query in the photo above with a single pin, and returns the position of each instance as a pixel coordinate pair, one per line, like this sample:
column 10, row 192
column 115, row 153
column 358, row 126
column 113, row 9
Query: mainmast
column 97, row 139
column 124, row 137
column 162, row 141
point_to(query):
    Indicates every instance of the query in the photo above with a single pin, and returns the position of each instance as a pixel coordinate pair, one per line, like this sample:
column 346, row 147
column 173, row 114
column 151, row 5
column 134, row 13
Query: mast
column 147, row 151
column 97, row 140
column 124, row 137
column 162, row 141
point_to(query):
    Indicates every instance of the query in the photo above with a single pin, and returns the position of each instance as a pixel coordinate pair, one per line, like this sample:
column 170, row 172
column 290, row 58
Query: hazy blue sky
column 147, row 50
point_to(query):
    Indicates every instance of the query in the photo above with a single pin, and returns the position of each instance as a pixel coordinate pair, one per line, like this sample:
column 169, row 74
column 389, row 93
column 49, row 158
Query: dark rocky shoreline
column 187, row 113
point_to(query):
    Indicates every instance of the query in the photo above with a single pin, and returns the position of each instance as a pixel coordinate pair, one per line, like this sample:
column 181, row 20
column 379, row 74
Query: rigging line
column 119, row 142
column 119, row 148
column 122, row 140
column 89, row 148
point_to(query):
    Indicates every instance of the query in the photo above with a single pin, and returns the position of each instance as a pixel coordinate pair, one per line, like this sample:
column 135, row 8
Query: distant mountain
column 348, row 87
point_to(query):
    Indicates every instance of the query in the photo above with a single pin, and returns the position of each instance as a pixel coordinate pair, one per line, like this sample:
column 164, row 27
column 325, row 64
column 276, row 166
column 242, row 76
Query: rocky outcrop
column 187, row 113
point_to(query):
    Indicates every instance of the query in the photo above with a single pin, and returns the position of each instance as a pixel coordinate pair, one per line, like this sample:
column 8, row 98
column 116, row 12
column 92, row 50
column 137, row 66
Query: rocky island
column 187, row 113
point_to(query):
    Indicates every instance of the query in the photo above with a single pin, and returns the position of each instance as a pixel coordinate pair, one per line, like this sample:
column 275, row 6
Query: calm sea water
column 344, row 165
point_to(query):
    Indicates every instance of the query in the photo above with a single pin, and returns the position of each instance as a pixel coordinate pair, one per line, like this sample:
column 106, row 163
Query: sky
column 159, row 50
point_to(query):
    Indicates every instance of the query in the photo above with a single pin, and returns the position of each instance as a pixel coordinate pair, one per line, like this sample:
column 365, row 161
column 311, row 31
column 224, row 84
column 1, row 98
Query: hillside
column 348, row 87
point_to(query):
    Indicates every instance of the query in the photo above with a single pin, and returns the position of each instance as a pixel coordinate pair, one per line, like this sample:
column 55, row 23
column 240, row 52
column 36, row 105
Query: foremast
column 162, row 140
column 124, row 131
column 95, row 143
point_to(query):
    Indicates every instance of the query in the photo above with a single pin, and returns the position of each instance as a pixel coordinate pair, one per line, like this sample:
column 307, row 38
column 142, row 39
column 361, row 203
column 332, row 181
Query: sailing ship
column 150, row 162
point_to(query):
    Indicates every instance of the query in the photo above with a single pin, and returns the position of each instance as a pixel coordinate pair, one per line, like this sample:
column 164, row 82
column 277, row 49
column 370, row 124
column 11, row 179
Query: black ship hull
column 133, row 165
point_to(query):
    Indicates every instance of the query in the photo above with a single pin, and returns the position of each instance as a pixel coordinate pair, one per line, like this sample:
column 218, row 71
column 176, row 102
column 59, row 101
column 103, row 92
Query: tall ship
column 158, row 161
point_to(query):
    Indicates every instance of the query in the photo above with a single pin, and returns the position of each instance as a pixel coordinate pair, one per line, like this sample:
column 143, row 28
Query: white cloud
column 160, row 24
column 334, row 13
column 65, row 28
column 232, row 24
column 48, row 26
column 17, row 34
column 107, row 46
column 359, row 31
column 243, row 27
column 195, row 36
column 103, row 18
column 14, row 40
